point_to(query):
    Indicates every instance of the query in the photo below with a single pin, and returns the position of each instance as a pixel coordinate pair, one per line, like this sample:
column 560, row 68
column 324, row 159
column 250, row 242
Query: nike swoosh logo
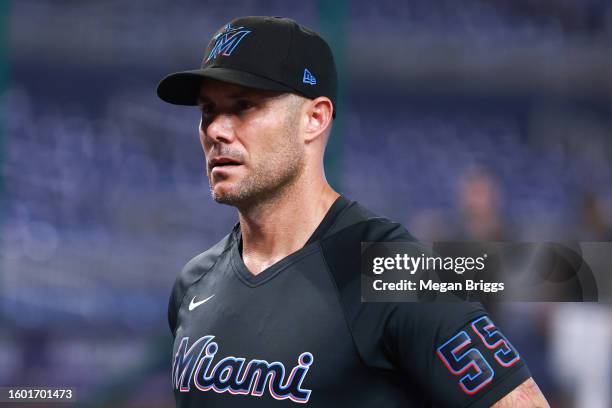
column 193, row 304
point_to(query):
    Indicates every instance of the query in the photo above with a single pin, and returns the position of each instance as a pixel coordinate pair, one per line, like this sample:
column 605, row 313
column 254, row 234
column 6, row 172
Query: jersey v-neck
column 255, row 280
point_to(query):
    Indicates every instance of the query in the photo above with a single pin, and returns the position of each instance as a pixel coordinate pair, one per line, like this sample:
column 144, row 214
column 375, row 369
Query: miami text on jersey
column 193, row 366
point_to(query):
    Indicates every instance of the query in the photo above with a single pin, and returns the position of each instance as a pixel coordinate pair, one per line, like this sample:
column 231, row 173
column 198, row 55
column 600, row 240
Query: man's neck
column 282, row 225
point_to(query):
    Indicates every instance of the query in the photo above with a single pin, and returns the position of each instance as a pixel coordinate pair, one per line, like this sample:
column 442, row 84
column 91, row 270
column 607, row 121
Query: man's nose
column 220, row 129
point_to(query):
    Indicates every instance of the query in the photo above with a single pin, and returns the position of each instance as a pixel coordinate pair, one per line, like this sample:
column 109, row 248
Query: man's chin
column 224, row 199
column 225, row 195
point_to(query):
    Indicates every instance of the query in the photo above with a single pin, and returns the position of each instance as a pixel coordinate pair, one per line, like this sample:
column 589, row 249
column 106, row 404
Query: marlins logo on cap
column 226, row 41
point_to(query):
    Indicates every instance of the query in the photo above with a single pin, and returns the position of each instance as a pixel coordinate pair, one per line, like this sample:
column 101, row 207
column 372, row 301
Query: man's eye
column 243, row 104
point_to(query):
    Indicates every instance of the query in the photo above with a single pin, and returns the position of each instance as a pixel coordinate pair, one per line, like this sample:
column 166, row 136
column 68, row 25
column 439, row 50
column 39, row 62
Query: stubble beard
column 270, row 177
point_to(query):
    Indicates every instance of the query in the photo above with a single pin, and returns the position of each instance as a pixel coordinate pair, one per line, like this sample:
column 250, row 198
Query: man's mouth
column 223, row 163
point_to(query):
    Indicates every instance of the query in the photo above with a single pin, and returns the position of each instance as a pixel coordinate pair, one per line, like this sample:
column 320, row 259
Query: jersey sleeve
column 457, row 354
column 176, row 296
column 189, row 274
column 194, row 270
column 452, row 352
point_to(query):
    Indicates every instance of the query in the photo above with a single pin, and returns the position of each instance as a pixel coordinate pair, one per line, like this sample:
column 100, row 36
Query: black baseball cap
column 270, row 53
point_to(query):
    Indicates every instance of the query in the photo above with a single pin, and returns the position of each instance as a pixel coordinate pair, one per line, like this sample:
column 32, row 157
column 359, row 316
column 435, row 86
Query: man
column 271, row 315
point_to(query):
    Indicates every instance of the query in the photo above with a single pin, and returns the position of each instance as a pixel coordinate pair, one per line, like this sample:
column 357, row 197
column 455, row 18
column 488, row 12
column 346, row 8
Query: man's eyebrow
column 243, row 93
column 202, row 100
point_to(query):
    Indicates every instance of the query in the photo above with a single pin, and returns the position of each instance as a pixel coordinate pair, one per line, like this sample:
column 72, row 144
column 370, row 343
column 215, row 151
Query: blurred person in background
column 594, row 223
column 479, row 198
column 585, row 371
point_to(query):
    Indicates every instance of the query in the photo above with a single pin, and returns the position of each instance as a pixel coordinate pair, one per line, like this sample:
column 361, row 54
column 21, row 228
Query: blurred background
column 464, row 120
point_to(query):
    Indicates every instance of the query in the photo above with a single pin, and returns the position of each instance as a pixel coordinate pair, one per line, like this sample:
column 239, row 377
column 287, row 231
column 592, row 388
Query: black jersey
column 298, row 333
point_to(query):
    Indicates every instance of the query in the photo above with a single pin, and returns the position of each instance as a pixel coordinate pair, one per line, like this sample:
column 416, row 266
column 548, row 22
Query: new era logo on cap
column 308, row 78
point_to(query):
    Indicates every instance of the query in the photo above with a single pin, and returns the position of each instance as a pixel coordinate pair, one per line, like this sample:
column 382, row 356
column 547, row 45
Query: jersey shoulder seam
column 180, row 304
column 380, row 219
column 342, row 310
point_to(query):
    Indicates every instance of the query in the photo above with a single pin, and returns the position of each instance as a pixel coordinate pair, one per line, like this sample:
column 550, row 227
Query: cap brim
column 183, row 88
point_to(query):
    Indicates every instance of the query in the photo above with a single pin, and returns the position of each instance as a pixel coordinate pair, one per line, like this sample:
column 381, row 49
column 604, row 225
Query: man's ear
column 318, row 117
